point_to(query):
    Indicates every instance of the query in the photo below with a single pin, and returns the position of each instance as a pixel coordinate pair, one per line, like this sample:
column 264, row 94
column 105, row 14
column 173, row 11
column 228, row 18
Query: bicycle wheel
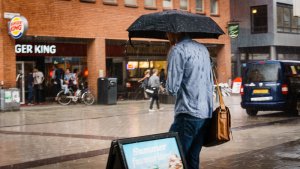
column 64, row 99
column 88, row 98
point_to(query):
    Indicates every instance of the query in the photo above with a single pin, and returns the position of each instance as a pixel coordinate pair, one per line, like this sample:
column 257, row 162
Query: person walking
column 162, row 77
column 154, row 86
column 30, row 86
column 144, row 82
column 190, row 78
column 38, row 77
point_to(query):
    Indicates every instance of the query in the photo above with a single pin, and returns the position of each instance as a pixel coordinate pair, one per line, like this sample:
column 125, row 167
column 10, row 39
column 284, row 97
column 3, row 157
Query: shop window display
column 136, row 69
column 78, row 64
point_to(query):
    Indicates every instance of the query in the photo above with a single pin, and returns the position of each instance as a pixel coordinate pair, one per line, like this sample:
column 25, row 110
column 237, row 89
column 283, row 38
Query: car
column 270, row 85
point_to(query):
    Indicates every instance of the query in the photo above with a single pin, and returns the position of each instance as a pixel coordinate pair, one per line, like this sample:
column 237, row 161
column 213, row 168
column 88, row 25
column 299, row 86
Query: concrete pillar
column 224, row 64
column 273, row 54
column 96, row 62
column 238, row 63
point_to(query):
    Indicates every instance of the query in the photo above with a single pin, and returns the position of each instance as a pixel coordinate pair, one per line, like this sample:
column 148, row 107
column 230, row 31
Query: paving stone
column 78, row 136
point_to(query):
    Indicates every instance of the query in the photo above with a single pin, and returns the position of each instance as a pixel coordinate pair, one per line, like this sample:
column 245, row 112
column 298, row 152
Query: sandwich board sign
column 159, row 151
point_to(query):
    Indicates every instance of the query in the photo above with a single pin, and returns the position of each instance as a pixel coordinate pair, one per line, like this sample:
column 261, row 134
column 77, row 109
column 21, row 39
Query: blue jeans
column 30, row 94
column 191, row 131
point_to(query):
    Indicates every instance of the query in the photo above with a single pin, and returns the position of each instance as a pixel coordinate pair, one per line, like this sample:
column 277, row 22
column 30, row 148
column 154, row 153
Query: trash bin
column 10, row 99
column 107, row 90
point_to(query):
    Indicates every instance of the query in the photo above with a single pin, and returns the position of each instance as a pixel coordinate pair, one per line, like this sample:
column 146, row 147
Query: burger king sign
column 17, row 27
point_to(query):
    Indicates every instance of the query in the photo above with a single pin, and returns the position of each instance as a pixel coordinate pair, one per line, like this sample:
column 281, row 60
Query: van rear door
column 261, row 82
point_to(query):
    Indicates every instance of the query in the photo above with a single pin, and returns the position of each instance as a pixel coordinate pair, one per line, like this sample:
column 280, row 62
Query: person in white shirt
column 38, row 79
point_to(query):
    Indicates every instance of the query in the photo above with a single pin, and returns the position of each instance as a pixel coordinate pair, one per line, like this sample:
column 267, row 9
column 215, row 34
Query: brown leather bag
column 220, row 125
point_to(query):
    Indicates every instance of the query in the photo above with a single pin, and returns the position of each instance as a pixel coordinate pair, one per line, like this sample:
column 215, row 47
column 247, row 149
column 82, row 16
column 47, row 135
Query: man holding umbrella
column 190, row 79
column 189, row 74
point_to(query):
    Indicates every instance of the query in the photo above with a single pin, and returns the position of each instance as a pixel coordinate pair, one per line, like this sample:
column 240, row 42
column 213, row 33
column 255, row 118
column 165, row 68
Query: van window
column 293, row 70
column 262, row 73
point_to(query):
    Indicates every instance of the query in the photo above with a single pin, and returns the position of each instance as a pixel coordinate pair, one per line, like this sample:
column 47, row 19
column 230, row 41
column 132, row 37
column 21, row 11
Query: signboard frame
column 233, row 30
column 117, row 158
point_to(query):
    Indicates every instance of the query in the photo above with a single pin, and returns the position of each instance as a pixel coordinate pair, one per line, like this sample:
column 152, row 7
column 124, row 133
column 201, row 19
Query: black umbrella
column 155, row 25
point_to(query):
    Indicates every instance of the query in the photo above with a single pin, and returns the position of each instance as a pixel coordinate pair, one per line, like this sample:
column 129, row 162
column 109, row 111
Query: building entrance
column 23, row 69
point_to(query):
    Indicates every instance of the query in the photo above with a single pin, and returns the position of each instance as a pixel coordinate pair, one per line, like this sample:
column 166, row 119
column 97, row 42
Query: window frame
column 151, row 7
column 294, row 22
column 203, row 7
column 253, row 30
column 131, row 5
column 88, row 1
column 107, row 2
column 166, row 8
column 217, row 10
column 187, row 5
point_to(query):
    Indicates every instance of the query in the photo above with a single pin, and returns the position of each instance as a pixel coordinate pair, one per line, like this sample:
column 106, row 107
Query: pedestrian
column 75, row 80
column 189, row 77
column 144, row 82
column 57, row 76
column 38, row 78
column 30, row 86
column 162, row 77
column 154, row 85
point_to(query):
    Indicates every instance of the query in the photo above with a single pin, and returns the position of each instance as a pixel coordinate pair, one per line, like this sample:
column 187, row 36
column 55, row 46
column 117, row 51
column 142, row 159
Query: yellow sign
column 261, row 91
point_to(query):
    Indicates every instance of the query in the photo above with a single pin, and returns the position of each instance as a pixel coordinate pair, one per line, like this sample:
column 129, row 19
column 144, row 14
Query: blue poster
column 154, row 154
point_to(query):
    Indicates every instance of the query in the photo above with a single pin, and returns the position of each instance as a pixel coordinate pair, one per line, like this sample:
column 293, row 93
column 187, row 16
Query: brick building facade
column 97, row 26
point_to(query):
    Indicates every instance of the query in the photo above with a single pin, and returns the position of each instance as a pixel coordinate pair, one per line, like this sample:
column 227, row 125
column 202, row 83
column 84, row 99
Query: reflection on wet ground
column 78, row 136
column 283, row 156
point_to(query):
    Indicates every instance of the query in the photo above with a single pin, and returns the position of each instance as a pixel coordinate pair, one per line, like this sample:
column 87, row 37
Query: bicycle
column 84, row 95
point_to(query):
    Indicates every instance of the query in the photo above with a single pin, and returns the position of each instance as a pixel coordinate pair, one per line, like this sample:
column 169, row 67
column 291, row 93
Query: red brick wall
column 63, row 18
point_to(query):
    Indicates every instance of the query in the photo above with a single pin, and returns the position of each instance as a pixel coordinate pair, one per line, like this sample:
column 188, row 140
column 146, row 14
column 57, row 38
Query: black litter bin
column 107, row 90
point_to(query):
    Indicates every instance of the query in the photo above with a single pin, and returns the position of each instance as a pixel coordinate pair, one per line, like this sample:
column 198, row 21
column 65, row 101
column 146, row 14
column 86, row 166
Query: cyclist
column 68, row 82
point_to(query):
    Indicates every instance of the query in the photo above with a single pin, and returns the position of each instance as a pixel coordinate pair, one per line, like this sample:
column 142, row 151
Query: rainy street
column 77, row 136
column 76, row 77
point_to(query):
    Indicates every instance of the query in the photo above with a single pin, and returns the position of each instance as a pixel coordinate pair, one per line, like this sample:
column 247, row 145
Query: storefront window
column 136, row 69
column 78, row 64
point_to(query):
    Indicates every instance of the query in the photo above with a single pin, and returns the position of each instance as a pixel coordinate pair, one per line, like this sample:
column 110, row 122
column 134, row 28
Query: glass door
column 20, row 81
column 23, row 69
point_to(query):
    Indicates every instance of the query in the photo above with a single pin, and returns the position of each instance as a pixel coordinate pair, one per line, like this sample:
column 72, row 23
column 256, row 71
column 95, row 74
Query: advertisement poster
column 16, row 96
column 154, row 154
column 7, row 97
column 233, row 30
column 236, row 87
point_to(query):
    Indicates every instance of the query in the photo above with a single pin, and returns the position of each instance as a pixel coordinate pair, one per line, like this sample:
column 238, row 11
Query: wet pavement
column 79, row 136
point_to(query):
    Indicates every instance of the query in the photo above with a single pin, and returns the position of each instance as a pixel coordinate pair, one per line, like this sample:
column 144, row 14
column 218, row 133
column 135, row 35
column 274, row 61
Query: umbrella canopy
column 155, row 25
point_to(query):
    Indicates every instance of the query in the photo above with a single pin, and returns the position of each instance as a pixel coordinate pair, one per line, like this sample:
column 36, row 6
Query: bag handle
column 222, row 104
